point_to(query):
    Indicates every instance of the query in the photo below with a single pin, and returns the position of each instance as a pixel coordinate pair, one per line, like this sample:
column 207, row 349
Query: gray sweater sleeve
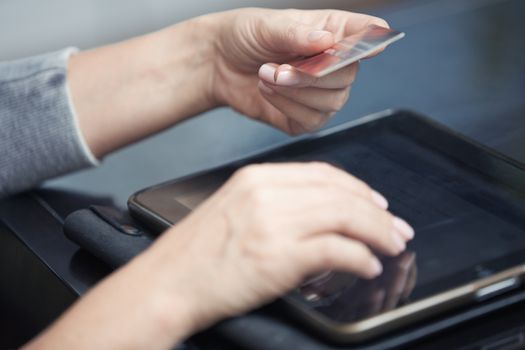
column 39, row 132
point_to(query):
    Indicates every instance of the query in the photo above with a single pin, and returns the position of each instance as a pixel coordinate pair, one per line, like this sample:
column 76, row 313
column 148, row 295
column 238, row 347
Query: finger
column 286, row 75
column 310, row 174
column 309, row 119
column 324, row 100
column 323, row 211
column 315, row 211
column 281, row 34
column 334, row 252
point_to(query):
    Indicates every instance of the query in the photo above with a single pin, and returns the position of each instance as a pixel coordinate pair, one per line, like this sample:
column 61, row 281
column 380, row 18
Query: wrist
column 170, row 313
column 187, row 290
column 189, row 61
column 216, row 31
column 130, row 90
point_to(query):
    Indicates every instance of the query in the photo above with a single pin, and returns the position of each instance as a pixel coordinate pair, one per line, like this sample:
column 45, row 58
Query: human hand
column 129, row 90
column 267, row 229
column 251, row 43
column 261, row 234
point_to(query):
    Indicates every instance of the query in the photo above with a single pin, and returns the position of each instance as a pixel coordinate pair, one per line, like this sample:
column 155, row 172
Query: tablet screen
column 465, row 204
column 467, row 225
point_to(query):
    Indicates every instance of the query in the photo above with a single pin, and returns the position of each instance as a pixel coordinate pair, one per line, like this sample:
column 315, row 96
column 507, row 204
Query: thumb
column 297, row 38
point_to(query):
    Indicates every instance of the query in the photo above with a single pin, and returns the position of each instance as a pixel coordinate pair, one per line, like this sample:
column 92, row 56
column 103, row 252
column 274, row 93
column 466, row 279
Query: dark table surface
column 462, row 63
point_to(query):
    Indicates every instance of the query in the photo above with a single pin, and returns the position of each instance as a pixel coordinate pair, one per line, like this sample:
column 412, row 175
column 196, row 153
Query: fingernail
column 404, row 228
column 267, row 73
column 265, row 88
column 376, row 268
column 317, row 35
column 287, row 78
column 379, row 199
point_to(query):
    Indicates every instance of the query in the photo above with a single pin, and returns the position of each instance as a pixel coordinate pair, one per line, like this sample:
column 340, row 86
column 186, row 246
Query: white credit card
column 347, row 51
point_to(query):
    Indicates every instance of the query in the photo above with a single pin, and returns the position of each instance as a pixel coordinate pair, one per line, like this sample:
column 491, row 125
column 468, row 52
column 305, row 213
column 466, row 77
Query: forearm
column 130, row 90
column 125, row 311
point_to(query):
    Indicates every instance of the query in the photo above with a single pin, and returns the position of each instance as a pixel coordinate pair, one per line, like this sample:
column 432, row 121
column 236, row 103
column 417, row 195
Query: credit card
column 347, row 51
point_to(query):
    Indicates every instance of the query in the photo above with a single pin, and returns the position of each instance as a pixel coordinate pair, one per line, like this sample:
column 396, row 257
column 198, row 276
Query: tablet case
column 115, row 238
column 107, row 233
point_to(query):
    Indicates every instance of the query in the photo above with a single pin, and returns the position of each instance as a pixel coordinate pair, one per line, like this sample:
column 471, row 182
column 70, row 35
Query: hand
column 127, row 91
column 265, row 231
column 251, row 43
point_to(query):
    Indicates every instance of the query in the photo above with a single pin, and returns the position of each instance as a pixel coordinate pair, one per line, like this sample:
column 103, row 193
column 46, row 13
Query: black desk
column 462, row 62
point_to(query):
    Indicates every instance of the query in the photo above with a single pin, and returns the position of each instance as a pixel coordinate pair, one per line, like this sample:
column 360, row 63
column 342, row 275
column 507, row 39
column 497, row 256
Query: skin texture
column 271, row 225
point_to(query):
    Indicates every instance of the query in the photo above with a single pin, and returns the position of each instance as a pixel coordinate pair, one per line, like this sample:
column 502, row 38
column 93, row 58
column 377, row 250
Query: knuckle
column 342, row 219
column 258, row 197
column 322, row 167
column 328, row 253
column 346, row 218
column 248, row 175
column 359, row 186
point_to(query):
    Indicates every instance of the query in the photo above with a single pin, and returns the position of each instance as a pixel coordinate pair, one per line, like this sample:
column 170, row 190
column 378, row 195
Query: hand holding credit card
column 347, row 51
column 307, row 73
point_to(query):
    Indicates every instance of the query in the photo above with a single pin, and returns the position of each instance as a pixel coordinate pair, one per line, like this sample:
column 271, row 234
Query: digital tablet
column 466, row 203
